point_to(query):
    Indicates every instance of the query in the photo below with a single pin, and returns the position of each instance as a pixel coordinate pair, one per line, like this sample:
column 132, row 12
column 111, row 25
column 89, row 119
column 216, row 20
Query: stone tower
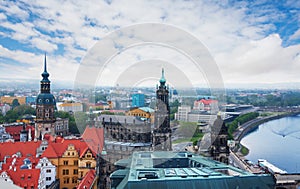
column 219, row 134
column 45, row 107
column 161, row 135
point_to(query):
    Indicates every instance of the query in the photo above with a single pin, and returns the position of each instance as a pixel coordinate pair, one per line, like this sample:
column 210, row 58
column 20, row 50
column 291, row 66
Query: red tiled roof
column 19, row 161
column 94, row 137
column 25, row 177
column 208, row 101
column 87, row 180
column 58, row 146
column 14, row 131
column 26, row 148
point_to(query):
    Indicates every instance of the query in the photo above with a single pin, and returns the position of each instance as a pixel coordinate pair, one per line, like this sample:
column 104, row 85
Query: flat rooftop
column 183, row 170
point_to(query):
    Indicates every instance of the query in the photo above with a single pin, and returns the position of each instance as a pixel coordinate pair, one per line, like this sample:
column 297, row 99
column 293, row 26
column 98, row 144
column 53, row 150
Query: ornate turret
column 45, row 106
column 23, row 134
column 161, row 139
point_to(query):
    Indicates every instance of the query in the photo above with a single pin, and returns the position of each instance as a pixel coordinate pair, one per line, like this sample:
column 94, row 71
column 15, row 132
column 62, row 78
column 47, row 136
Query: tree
column 18, row 112
column 1, row 117
column 15, row 103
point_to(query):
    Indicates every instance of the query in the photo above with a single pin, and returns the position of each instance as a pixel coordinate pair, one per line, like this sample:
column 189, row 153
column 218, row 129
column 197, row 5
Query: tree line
column 239, row 121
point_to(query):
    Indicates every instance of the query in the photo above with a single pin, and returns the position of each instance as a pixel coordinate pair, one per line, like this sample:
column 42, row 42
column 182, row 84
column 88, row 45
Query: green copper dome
column 162, row 79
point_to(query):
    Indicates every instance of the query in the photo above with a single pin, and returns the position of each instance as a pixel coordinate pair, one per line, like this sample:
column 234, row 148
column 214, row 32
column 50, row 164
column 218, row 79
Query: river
column 278, row 142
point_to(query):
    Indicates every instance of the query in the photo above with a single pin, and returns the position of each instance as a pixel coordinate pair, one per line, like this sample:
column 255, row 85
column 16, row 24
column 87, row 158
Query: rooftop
column 182, row 169
column 88, row 180
column 122, row 119
column 25, row 148
column 146, row 109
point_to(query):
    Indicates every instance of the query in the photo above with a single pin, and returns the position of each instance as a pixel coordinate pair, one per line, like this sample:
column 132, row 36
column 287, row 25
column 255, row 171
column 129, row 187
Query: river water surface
column 278, row 142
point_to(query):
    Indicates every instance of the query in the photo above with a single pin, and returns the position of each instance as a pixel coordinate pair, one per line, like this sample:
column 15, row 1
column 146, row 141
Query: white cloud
column 239, row 39
column 296, row 35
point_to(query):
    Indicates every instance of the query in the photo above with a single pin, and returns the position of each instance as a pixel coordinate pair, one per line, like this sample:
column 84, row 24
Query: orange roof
column 70, row 104
column 87, row 180
column 26, row 148
column 94, row 137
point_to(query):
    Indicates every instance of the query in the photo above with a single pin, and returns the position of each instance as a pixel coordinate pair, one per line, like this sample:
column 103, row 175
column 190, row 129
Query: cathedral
column 161, row 135
column 127, row 134
column 45, row 107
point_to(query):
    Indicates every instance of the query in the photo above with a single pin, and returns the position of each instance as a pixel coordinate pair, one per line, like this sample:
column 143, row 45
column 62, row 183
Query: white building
column 182, row 113
column 48, row 172
column 4, row 108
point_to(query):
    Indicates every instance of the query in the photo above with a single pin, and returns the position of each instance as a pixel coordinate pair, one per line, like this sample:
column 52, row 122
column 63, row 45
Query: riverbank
column 250, row 126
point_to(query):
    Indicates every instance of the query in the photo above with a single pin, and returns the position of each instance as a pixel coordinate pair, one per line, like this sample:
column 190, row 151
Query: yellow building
column 142, row 112
column 9, row 99
column 73, row 158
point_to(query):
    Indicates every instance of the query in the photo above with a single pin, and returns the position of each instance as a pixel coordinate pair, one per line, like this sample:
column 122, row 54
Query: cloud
column 243, row 37
column 296, row 35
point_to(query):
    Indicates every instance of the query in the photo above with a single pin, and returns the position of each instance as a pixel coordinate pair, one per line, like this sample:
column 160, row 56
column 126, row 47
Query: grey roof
column 122, row 119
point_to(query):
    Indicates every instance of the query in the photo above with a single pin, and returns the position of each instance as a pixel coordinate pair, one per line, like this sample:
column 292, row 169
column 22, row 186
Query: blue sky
column 251, row 41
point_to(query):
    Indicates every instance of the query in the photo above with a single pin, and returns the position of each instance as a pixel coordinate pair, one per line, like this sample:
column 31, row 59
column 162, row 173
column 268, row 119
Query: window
column 66, row 180
column 88, row 164
column 74, row 180
column 65, row 171
column 66, row 162
column 75, row 171
column 48, row 178
column 75, row 162
column 48, row 171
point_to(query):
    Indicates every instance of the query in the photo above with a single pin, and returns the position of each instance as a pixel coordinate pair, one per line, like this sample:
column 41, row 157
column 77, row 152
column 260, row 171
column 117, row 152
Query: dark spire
column 45, row 74
column 162, row 79
column 45, row 82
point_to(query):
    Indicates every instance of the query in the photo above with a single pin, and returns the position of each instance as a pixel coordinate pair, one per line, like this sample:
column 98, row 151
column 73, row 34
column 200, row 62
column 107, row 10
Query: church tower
column 161, row 136
column 45, row 106
column 219, row 150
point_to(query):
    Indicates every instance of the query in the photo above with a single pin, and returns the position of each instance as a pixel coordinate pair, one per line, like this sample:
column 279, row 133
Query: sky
column 249, row 41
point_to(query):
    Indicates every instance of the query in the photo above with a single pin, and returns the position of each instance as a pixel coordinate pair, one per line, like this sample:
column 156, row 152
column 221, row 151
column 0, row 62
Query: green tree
column 15, row 103
column 240, row 120
column 1, row 117
column 18, row 112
